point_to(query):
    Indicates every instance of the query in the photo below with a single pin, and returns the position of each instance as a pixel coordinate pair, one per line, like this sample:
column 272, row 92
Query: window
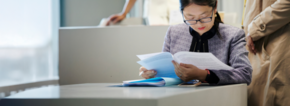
column 29, row 41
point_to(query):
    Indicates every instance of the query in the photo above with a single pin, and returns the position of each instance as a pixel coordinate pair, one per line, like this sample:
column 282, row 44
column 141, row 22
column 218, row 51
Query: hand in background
column 147, row 73
column 119, row 17
column 115, row 18
column 251, row 44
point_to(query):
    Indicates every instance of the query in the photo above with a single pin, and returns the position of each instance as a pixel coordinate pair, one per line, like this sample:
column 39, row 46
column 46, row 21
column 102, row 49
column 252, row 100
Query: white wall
column 98, row 55
column 88, row 12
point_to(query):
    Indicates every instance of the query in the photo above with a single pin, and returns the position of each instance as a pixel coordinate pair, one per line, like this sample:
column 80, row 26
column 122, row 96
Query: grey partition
column 108, row 54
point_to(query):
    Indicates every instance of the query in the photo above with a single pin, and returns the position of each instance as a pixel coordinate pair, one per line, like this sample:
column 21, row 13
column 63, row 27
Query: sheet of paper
column 201, row 60
column 160, row 63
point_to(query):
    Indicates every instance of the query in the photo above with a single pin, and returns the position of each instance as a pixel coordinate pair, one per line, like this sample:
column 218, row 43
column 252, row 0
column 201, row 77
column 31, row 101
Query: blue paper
column 161, row 63
column 157, row 81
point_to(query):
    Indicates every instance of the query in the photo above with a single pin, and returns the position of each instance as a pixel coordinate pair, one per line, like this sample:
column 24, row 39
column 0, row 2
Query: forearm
column 128, row 6
column 270, row 20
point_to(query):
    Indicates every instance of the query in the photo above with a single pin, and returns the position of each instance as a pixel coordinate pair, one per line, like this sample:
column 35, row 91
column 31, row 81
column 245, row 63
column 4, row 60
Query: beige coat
column 270, row 31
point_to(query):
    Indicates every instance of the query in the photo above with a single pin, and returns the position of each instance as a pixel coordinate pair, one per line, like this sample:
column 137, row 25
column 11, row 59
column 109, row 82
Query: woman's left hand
column 187, row 72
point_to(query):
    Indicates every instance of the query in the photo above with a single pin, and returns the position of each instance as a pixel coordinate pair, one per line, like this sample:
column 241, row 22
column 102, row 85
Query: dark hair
column 211, row 3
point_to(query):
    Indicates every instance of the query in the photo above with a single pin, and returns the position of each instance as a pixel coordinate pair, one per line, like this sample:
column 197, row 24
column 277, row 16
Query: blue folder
column 158, row 81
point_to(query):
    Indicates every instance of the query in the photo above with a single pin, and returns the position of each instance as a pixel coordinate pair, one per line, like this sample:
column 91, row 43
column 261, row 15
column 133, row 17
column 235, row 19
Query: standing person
column 267, row 25
column 203, row 31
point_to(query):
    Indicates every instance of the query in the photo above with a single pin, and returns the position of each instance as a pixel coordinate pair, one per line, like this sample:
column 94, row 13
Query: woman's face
column 196, row 12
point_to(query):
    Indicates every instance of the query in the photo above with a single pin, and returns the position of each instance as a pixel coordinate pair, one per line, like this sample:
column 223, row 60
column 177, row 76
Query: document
column 158, row 81
column 161, row 62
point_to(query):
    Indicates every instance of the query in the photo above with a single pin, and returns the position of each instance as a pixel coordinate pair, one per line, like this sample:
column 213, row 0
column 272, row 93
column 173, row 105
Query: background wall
column 88, row 12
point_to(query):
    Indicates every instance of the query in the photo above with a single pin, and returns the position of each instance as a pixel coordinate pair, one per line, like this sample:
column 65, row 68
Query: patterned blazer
column 230, row 49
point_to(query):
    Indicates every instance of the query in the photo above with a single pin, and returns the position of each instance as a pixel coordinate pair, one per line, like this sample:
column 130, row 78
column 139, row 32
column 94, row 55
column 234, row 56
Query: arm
column 238, row 59
column 270, row 20
column 126, row 9
column 166, row 44
column 128, row 6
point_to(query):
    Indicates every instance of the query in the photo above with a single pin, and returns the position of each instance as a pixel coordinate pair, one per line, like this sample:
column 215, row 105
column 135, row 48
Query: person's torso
column 181, row 39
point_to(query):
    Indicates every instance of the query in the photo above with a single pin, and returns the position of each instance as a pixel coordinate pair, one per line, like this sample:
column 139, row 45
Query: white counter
column 104, row 94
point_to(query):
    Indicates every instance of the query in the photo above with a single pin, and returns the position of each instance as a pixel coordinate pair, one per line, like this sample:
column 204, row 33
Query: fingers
column 251, row 45
column 116, row 20
column 149, row 74
column 253, row 48
column 112, row 18
column 178, row 73
column 176, row 69
column 142, row 69
column 186, row 65
column 108, row 23
column 176, row 65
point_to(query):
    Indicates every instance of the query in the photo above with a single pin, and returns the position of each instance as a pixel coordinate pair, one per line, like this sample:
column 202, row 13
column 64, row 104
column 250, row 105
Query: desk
column 103, row 94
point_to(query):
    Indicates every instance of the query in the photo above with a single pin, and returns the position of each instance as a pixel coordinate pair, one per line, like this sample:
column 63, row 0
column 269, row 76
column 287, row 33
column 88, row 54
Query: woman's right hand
column 147, row 73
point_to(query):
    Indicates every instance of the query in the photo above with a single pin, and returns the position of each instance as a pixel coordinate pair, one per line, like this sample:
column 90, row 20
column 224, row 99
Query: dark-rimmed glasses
column 202, row 20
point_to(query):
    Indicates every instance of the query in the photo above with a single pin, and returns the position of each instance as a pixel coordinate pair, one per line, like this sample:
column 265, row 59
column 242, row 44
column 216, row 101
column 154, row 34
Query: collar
column 207, row 35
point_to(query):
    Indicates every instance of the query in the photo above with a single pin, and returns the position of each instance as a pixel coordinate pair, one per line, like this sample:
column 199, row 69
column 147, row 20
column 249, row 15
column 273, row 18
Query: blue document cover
column 158, row 81
column 160, row 63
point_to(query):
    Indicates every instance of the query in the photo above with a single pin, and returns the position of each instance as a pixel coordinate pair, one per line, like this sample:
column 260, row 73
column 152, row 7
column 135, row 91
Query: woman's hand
column 115, row 18
column 250, row 44
column 147, row 73
column 187, row 72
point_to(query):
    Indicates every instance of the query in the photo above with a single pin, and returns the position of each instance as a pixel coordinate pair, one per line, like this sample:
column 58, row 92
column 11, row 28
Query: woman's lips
column 201, row 28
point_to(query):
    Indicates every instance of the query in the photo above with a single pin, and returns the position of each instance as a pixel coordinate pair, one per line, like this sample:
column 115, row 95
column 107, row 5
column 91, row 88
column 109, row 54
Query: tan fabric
column 270, row 31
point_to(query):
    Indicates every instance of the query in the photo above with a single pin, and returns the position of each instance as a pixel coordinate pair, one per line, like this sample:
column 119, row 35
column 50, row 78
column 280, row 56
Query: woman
column 267, row 25
column 204, row 31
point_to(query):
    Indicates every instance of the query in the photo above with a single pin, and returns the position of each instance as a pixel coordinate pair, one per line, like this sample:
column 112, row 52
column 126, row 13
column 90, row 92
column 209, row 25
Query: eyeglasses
column 202, row 20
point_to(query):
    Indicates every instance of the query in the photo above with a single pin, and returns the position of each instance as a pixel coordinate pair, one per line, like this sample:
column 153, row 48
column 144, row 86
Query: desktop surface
column 107, row 94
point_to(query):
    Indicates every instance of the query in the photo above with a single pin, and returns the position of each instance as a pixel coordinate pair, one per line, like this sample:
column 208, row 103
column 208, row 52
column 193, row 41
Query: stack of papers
column 161, row 62
column 158, row 81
